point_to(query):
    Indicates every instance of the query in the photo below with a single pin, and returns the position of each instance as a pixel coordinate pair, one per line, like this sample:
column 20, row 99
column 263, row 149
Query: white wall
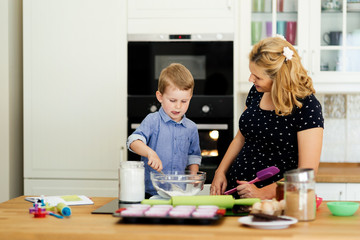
column 11, row 123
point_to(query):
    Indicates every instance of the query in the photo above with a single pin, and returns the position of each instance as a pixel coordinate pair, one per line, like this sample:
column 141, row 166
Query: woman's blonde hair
column 178, row 75
column 290, row 79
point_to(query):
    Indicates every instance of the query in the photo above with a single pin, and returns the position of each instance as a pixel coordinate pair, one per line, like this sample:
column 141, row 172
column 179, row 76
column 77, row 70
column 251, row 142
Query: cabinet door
column 335, row 45
column 55, row 187
column 353, row 191
column 331, row 191
column 180, row 17
column 180, row 9
column 74, row 88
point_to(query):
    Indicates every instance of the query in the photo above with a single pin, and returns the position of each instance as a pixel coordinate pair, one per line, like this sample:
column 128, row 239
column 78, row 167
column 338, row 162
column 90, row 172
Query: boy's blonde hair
column 177, row 75
column 290, row 79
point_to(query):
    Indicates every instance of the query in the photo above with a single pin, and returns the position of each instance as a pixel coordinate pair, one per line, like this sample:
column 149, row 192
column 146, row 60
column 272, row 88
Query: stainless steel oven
column 209, row 57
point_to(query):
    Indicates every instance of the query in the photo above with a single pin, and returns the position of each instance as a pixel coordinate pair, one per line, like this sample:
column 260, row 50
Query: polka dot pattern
column 271, row 140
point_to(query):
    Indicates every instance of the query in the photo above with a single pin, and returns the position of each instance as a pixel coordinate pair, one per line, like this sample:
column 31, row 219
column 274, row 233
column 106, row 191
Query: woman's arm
column 309, row 147
column 219, row 184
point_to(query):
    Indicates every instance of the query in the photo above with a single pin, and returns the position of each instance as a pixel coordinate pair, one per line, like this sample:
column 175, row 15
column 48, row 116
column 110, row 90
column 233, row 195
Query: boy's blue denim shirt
column 176, row 143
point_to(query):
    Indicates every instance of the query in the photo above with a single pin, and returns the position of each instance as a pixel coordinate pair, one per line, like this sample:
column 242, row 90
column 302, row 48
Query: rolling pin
column 222, row 201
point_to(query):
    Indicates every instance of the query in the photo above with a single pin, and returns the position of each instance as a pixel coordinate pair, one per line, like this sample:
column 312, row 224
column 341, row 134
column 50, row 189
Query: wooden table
column 17, row 223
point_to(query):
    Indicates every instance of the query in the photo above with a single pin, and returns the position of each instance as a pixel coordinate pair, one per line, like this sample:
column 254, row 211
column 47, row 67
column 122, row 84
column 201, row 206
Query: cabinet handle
column 121, row 155
column 229, row 4
column 340, row 195
column 304, row 59
column 313, row 62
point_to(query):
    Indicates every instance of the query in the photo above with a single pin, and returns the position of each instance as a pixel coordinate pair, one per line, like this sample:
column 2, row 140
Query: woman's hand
column 246, row 190
column 218, row 184
column 154, row 161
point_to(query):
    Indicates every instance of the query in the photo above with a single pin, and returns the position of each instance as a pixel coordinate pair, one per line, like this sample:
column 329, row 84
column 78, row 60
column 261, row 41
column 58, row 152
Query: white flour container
column 131, row 182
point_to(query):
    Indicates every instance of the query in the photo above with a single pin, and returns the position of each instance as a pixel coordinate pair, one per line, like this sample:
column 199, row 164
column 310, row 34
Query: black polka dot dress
column 271, row 140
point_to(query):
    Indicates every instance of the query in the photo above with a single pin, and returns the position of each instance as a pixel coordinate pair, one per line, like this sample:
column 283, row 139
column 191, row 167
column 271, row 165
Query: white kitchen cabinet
column 353, row 191
column 180, row 17
column 333, row 68
column 331, row 191
column 75, row 95
column 338, row 191
column 54, row 187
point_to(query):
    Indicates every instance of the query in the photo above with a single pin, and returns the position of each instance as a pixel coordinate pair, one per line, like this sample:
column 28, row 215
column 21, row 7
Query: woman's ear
column 159, row 96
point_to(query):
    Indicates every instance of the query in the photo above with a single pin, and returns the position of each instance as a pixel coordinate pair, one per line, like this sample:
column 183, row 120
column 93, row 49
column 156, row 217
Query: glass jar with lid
column 131, row 181
column 300, row 194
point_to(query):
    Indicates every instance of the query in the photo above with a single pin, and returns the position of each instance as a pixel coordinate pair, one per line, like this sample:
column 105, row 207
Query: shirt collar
column 166, row 118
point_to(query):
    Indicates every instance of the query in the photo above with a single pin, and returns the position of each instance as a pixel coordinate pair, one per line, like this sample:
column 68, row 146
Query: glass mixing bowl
column 185, row 183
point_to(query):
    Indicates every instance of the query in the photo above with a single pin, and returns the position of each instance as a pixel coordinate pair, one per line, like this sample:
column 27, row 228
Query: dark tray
column 169, row 220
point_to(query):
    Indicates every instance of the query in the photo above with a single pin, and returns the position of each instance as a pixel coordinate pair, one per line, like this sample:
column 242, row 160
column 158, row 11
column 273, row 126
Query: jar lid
column 299, row 175
column 132, row 164
column 280, row 183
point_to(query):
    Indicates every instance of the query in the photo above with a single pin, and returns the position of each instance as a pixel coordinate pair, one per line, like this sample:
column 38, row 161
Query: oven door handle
column 203, row 126
column 200, row 126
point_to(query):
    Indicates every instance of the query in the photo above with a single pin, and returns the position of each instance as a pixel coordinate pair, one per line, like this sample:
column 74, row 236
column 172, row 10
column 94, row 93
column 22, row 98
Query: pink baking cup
column 203, row 214
column 169, row 207
column 159, row 210
column 187, row 207
column 143, row 209
column 208, row 207
column 131, row 213
column 179, row 214
column 156, row 213
column 210, row 211
column 140, row 206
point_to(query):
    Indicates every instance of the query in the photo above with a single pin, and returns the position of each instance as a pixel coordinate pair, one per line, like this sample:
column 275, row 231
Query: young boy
column 166, row 139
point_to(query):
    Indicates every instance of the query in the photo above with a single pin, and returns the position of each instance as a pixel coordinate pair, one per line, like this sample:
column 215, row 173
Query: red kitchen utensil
column 318, row 201
column 260, row 176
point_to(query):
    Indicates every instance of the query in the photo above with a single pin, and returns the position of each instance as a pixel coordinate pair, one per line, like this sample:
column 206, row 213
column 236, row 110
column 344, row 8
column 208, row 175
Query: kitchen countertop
column 17, row 223
column 339, row 173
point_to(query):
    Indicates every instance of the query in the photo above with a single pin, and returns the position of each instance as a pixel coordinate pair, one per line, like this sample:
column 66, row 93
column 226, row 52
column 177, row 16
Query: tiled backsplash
column 341, row 141
column 342, row 127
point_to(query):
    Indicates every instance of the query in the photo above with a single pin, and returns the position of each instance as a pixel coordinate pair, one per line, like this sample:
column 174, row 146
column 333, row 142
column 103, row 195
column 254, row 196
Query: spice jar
column 279, row 190
column 300, row 201
column 131, row 182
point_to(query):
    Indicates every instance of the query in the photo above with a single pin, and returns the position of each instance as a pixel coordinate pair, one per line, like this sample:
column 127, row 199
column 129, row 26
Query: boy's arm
column 139, row 147
column 194, row 167
column 194, row 157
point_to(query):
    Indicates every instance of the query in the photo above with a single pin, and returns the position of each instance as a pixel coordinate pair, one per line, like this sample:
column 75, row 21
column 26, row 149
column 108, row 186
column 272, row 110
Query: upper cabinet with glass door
column 336, row 45
column 326, row 34
column 268, row 18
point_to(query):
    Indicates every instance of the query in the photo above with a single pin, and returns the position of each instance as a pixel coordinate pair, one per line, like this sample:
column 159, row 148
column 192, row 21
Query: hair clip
column 288, row 53
column 280, row 36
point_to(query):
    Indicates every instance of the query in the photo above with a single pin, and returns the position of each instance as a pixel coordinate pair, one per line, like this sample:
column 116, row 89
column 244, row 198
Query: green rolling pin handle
column 246, row 201
column 156, row 202
column 224, row 201
column 63, row 209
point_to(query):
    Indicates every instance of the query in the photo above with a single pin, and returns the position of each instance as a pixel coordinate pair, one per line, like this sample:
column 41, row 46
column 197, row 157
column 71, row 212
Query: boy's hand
column 154, row 161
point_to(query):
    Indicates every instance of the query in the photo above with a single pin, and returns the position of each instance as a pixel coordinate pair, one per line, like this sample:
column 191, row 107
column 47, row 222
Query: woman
column 282, row 124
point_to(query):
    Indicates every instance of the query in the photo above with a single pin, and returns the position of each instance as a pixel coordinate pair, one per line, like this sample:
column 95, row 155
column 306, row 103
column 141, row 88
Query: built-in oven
column 209, row 57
